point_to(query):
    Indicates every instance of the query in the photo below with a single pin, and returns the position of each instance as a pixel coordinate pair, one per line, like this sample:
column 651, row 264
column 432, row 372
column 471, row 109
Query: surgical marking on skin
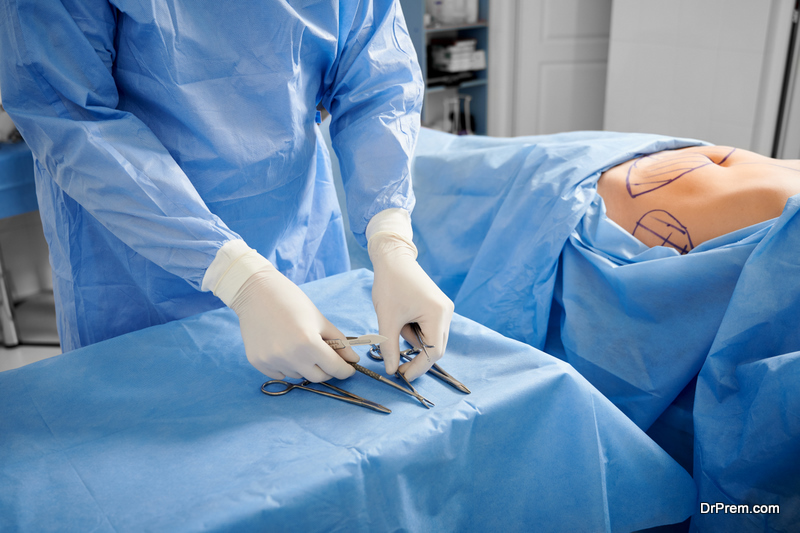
column 674, row 163
column 727, row 156
column 667, row 228
column 645, row 184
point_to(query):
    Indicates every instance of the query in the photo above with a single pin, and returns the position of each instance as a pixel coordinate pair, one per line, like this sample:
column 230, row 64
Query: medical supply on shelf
column 451, row 12
column 456, row 119
column 458, row 55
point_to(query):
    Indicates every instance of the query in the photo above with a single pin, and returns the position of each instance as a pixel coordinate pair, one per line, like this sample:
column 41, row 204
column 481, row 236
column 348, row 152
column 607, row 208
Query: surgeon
column 179, row 166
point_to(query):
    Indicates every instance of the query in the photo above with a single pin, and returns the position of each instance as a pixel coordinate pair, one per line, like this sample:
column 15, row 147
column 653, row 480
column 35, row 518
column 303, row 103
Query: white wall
column 788, row 145
column 502, row 60
column 706, row 69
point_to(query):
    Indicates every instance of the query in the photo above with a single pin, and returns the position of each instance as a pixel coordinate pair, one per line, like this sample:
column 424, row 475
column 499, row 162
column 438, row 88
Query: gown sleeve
column 56, row 61
column 374, row 94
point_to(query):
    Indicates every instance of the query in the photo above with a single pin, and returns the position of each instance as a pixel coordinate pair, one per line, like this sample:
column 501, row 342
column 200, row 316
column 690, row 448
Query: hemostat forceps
column 435, row 370
column 418, row 333
column 344, row 395
column 338, row 344
column 419, row 397
column 411, row 392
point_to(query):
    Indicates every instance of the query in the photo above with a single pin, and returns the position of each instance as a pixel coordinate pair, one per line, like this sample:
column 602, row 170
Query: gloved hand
column 403, row 293
column 283, row 331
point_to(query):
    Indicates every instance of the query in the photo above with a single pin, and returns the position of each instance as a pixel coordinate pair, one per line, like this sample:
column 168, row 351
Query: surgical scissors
column 435, row 370
column 344, row 395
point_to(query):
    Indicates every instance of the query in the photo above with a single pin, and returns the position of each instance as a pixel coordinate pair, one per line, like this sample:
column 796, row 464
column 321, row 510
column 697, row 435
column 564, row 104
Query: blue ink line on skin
column 670, row 171
column 668, row 166
column 727, row 156
column 674, row 161
column 632, row 195
column 673, row 223
column 681, row 229
column 651, row 185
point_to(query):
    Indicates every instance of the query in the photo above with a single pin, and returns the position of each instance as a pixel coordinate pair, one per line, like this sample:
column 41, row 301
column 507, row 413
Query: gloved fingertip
column 390, row 350
column 317, row 378
column 349, row 355
column 345, row 373
column 391, row 366
column 410, row 372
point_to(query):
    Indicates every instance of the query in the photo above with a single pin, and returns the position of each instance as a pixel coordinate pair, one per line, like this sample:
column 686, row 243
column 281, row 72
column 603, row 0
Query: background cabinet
column 437, row 91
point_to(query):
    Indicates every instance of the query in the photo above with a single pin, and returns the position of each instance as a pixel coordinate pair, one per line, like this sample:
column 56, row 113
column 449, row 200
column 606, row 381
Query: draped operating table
column 166, row 429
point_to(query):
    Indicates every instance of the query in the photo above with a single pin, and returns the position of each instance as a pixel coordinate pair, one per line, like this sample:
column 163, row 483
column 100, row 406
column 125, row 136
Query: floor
column 11, row 358
column 35, row 319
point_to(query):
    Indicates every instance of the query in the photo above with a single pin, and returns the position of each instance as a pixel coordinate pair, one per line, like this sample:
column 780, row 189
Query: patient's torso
column 681, row 198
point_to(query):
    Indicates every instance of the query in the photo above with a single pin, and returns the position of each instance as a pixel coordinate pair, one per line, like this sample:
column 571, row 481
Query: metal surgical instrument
column 344, row 395
column 423, row 400
column 410, row 386
column 418, row 333
column 339, row 344
column 435, row 370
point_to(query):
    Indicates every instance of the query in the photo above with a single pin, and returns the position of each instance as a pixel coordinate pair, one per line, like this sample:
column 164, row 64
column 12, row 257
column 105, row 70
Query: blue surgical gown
column 162, row 130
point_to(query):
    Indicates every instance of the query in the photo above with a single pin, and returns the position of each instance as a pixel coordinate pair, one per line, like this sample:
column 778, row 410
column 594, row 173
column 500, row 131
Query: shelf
column 439, row 85
column 456, row 27
column 462, row 85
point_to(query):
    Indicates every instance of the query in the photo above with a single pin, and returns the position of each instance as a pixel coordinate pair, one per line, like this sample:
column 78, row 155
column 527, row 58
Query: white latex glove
column 403, row 293
column 282, row 329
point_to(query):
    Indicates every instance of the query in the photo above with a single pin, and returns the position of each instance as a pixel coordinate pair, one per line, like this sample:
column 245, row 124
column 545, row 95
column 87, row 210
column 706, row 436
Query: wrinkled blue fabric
column 640, row 320
column 514, row 231
column 165, row 429
column 162, row 130
column 747, row 402
column 17, row 191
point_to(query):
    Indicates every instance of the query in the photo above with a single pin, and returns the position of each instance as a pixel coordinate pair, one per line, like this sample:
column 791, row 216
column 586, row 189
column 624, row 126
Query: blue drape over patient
column 498, row 212
column 163, row 130
column 514, row 231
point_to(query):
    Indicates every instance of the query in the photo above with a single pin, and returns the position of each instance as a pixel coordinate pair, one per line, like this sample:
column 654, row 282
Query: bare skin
column 682, row 198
